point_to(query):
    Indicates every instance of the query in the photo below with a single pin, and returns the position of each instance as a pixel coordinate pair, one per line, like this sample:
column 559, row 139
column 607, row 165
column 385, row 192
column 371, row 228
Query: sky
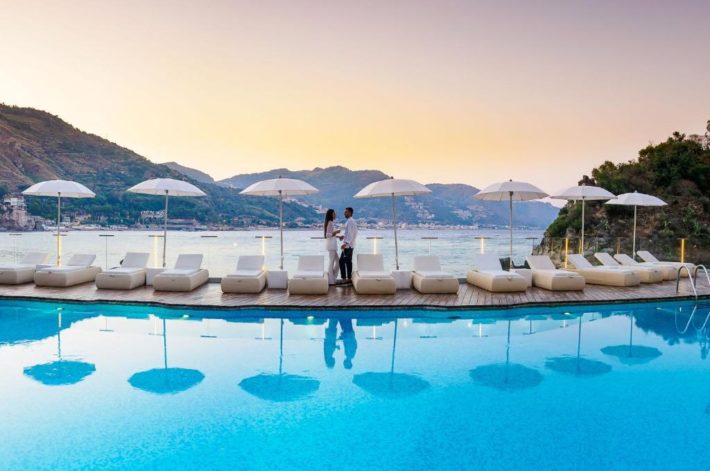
column 439, row 91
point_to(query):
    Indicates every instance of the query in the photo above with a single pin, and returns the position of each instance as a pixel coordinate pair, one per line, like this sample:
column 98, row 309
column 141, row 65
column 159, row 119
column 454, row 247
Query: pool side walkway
column 468, row 297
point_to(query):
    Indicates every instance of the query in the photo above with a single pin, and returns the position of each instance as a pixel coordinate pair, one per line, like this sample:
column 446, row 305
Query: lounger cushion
column 309, row 285
column 189, row 261
column 236, row 283
column 308, row 274
column 135, row 260
column 81, row 260
column 16, row 274
column 180, row 280
column 250, row 263
column 374, row 274
column 180, row 271
column 370, row 263
column 445, row 284
column 245, row 274
column 486, row 262
column 434, row 274
column 374, row 283
column 62, row 277
column 558, row 280
column 121, row 278
column 497, row 281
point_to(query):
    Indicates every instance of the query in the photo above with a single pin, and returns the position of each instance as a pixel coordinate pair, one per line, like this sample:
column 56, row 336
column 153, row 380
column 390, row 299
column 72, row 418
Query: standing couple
column 346, row 239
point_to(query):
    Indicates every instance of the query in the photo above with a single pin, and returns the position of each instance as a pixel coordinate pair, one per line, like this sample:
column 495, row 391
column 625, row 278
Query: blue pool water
column 584, row 387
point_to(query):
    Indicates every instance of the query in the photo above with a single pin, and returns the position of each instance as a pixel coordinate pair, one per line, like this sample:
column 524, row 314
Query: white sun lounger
column 650, row 260
column 546, row 276
column 429, row 278
column 23, row 272
column 601, row 275
column 668, row 272
column 371, row 277
column 488, row 274
column 310, row 277
column 186, row 276
column 249, row 277
column 648, row 274
column 130, row 275
column 77, row 270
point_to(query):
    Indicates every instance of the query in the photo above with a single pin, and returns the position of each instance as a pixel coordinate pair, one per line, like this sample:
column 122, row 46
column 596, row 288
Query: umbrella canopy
column 510, row 191
column 61, row 372
column 506, row 376
column 393, row 187
column 280, row 187
column 632, row 354
column 584, row 193
column 166, row 187
column 391, row 385
column 577, row 365
column 636, row 199
column 280, row 387
column 166, row 380
column 57, row 189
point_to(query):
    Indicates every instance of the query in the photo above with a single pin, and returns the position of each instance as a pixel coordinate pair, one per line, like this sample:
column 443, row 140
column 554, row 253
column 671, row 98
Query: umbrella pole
column 510, row 228
column 165, row 345
column 581, row 249
column 281, row 227
column 59, row 235
column 633, row 250
column 165, row 228
column 394, row 223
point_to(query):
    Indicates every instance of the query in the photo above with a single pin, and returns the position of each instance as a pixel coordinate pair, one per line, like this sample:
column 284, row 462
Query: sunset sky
column 439, row 91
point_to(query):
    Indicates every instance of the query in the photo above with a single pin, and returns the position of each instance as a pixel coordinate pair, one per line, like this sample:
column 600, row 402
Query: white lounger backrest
column 427, row 263
column 647, row 256
column 540, row 262
column 625, row 259
column 311, row 263
column 486, row 261
column 606, row 259
column 81, row 260
column 135, row 260
column 579, row 261
column 250, row 262
column 370, row 262
column 189, row 261
column 34, row 258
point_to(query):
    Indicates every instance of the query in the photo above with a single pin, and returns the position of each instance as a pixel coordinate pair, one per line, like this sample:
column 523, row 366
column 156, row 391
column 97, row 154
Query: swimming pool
column 574, row 387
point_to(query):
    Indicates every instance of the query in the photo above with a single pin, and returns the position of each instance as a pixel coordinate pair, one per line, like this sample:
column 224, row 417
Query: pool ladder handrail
column 690, row 321
column 690, row 278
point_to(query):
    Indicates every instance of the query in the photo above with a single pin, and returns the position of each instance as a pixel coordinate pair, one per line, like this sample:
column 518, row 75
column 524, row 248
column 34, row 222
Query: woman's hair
column 329, row 216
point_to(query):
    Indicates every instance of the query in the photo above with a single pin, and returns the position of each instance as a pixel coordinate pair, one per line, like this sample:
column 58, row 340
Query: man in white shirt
column 348, row 238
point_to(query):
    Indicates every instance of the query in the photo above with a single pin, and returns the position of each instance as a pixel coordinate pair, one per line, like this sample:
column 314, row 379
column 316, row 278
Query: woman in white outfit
column 331, row 245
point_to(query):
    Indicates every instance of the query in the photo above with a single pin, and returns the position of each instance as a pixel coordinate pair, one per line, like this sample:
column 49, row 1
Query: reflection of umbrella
column 167, row 187
column 632, row 354
column 389, row 384
column 584, row 193
column 60, row 372
column 280, row 187
column 59, row 188
column 391, row 188
column 166, row 380
column 510, row 191
column 577, row 366
column 506, row 376
column 636, row 199
column 281, row 387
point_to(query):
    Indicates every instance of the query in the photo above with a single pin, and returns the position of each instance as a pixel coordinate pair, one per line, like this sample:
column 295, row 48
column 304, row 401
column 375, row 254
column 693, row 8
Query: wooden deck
column 468, row 297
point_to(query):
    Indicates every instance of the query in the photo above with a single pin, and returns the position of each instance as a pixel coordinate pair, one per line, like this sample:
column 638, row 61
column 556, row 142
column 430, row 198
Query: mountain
column 36, row 146
column 197, row 175
column 678, row 172
column 448, row 204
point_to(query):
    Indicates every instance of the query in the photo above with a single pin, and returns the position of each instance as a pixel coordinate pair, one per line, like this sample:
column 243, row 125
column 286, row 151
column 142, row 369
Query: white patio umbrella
column 280, row 187
column 393, row 187
column 636, row 199
column 584, row 193
column 510, row 191
column 167, row 187
column 59, row 189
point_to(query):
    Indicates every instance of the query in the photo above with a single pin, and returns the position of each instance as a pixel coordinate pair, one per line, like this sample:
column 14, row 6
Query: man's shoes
column 343, row 282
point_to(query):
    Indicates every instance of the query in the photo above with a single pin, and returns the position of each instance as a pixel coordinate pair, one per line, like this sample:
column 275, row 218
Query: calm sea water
column 131, row 387
column 221, row 249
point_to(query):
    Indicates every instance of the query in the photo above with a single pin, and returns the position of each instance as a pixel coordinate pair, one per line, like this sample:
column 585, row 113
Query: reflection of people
column 329, row 346
column 349, row 342
column 331, row 245
column 347, row 336
column 348, row 245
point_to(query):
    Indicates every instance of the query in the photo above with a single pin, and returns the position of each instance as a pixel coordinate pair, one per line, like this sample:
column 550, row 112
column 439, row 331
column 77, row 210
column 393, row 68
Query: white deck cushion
column 606, row 259
column 368, row 262
column 434, row 274
column 81, row 260
column 126, row 270
column 486, row 262
column 540, row 262
column 625, row 259
column 245, row 274
column 250, row 263
column 579, row 261
column 374, row 274
column 34, row 258
column 308, row 274
column 191, row 261
column 180, row 271
column 135, row 260
column 311, row 263
column 647, row 256
column 62, row 269
column 427, row 263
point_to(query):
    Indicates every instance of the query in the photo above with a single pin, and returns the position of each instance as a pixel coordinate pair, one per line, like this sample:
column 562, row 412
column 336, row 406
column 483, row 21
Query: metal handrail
column 707, row 275
column 690, row 278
